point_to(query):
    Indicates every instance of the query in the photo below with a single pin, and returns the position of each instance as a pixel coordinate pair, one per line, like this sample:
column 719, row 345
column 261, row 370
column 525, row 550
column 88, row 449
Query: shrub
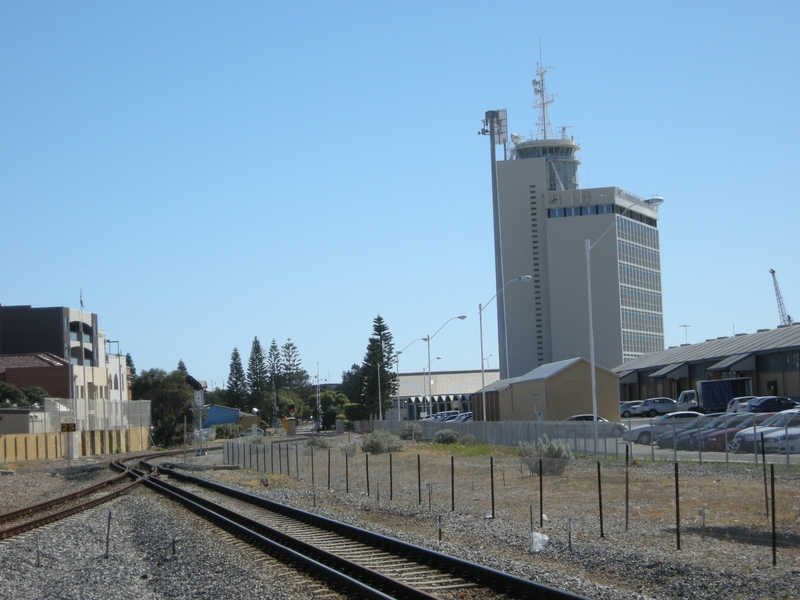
column 469, row 440
column 318, row 442
column 446, row 436
column 553, row 454
column 350, row 449
column 411, row 431
column 380, row 442
column 257, row 439
column 227, row 431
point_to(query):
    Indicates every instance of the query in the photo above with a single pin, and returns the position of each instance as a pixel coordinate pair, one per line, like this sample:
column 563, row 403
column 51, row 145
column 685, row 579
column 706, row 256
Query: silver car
column 645, row 434
column 744, row 441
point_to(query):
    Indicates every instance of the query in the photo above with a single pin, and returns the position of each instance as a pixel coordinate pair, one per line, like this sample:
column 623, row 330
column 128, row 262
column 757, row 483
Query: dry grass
column 716, row 501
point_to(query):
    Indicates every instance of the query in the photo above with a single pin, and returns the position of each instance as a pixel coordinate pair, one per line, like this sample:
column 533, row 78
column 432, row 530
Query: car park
column 744, row 441
column 626, row 408
column 463, row 418
column 615, row 429
column 771, row 404
column 685, row 437
column 716, row 441
column 645, row 434
column 739, row 404
column 652, row 407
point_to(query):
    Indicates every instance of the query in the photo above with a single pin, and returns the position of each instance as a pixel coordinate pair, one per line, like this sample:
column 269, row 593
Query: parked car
column 739, row 404
column 771, row 404
column 653, row 407
column 249, row 431
column 463, row 418
column 784, row 441
column 744, row 440
column 626, row 408
column 444, row 415
column 685, row 437
column 715, row 441
column 615, row 429
column 645, row 434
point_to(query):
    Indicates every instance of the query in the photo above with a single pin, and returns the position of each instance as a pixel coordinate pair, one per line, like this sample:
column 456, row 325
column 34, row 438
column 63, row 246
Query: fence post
column 329, row 469
column 627, row 487
column 600, row 498
column 677, row 508
column 312, row 466
column 452, row 485
column 774, row 534
column 391, row 483
column 419, row 480
column 366, row 462
column 541, row 497
column 346, row 474
column 764, row 467
column 491, row 480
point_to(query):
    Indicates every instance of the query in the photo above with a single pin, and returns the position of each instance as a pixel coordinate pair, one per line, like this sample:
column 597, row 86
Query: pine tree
column 182, row 367
column 378, row 379
column 275, row 366
column 257, row 376
column 237, row 382
column 129, row 363
column 295, row 378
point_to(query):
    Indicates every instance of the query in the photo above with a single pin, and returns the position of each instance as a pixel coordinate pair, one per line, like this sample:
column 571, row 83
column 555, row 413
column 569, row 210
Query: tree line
column 273, row 382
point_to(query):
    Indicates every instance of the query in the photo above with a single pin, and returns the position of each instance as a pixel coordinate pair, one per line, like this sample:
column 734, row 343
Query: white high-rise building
column 549, row 228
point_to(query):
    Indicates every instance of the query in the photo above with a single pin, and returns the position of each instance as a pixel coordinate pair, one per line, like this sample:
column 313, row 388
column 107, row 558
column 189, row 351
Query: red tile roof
column 37, row 359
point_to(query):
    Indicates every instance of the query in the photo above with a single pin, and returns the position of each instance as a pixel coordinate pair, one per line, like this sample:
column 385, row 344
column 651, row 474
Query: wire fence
column 666, row 504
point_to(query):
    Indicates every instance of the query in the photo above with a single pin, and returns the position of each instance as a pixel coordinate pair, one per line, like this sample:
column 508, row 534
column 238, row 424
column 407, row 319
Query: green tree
column 182, row 367
column 129, row 363
column 12, row 394
column 34, row 394
column 257, row 376
column 295, row 378
column 237, row 382
column 171, row 400
column 275, row 366
column 379, row 382
column 352, row 381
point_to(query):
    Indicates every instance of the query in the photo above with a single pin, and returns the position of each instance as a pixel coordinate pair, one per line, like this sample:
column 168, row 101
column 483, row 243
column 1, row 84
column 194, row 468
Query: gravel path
column 210, row 564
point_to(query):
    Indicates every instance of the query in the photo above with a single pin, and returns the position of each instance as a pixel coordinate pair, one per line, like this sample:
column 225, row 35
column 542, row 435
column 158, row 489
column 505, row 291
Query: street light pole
column 652, row 202
column 480, row 318
column 397, row 371
column 428, row 340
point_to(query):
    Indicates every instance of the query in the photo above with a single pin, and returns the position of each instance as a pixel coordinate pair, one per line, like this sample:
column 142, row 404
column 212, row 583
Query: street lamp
column 480, row 318
column 430, row 386
column 397, row 375
column 652, row 202
column 428, row 339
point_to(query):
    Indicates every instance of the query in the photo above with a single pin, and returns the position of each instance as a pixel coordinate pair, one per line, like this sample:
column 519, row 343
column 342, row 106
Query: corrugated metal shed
column 722, row 349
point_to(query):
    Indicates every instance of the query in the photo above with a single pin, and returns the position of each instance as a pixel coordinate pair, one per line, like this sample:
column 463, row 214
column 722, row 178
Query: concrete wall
column 52, row 445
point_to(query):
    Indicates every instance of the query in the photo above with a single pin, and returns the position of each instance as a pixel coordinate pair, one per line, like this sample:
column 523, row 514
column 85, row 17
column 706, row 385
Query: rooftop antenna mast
column 785, row 319
column 543, row 129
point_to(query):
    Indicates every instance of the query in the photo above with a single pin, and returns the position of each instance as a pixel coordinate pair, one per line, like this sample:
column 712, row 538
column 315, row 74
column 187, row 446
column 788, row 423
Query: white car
column 740, row 404
column 652, row 407
column 744, row 440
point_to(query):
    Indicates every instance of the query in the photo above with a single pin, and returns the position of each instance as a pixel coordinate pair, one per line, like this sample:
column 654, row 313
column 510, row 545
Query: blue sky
column 208, row 172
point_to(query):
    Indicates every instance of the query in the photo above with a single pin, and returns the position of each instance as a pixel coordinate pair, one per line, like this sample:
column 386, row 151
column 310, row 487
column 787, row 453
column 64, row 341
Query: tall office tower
column 547, row 227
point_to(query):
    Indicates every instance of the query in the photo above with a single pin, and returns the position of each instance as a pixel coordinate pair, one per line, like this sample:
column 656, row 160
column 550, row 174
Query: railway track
column 358, row 562
column 25, row 519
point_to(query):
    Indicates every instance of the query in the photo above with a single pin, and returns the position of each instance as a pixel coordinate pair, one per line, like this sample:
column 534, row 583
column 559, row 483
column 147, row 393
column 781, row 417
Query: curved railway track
column 25, row 519
column 347, row 559
column 363, row 563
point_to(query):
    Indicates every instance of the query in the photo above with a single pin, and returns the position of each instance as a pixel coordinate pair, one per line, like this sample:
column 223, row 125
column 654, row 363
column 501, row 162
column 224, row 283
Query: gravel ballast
column 209, row 564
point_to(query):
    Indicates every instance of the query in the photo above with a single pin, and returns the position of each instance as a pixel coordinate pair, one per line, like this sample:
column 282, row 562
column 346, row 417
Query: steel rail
column 42, row 506
column 358, row 581
column 498, row 581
